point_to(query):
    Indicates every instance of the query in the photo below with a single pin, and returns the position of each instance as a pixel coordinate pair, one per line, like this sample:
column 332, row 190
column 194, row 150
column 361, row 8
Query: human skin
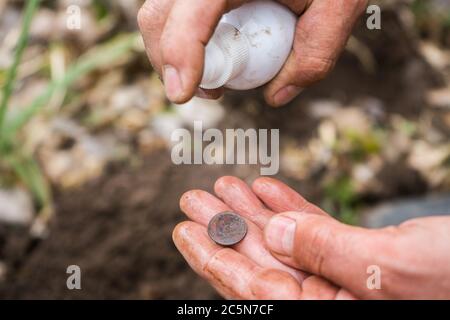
column 175, row 39
column 287, row 234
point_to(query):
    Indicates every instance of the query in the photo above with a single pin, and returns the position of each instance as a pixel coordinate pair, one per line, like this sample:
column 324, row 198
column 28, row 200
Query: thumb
column 325, row 247
column 321, row 35
column 182, row 68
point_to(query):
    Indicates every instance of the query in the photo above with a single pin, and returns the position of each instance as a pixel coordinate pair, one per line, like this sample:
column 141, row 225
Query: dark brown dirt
column 118, row 229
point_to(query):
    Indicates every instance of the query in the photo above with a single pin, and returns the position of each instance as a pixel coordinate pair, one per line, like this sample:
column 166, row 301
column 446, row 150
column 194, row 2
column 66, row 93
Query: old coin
column 227, row 228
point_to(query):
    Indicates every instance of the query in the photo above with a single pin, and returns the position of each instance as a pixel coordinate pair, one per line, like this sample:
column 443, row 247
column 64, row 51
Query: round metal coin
column 227, row 228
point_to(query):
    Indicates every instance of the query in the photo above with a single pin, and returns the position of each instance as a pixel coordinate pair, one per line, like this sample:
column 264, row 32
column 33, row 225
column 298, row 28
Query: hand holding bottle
column 177, row 32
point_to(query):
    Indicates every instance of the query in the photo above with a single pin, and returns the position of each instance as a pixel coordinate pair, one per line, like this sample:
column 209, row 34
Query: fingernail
column 286, row 94
column 201, row 94
column 172, row 83
column 280, row 234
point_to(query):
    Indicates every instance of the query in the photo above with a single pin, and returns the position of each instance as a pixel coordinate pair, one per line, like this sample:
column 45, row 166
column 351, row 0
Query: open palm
column 248, row 270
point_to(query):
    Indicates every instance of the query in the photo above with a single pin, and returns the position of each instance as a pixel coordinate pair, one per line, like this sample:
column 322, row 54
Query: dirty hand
column 412, row 259
column 248, row 270
column 176, row 33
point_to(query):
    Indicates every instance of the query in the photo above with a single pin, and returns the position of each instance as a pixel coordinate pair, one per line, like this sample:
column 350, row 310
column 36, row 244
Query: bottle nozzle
column 226, row 56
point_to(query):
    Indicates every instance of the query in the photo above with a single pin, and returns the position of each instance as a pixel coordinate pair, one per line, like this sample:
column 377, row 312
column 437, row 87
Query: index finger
column 233, row 274
column 188, row 29
column 152, row 18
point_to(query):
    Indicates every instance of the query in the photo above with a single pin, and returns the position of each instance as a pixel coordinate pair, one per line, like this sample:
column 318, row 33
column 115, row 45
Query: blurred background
column 85, row 171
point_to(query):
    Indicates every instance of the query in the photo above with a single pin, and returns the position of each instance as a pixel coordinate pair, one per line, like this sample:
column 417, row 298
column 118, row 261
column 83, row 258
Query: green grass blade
column 28, row 170
column 99, row 57
column 8, row 88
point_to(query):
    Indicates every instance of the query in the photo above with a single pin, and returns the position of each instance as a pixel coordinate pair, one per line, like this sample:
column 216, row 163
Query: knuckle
column 149, row 15
column 319, row 68
column 269, row 284
column 169, row 42
column 214, row 272
column 361, row 4
column 320, row 240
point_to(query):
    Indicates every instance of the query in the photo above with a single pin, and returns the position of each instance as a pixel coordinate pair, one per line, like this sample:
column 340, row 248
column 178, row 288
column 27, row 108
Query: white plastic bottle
column 249, row 47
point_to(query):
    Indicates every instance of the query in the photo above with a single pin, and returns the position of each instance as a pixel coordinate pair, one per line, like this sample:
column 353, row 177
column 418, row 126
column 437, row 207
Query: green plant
column 96, row 58
column 25, row 167
column 8, row 87
column 362, row 145
column 432, row 20
column 13, row 157
column 341, row 199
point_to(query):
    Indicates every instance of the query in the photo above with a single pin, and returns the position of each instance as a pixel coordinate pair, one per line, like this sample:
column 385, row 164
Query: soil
column 118, row 228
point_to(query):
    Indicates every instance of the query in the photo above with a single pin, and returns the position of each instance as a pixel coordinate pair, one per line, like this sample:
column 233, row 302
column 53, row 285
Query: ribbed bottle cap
column 226, row 56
